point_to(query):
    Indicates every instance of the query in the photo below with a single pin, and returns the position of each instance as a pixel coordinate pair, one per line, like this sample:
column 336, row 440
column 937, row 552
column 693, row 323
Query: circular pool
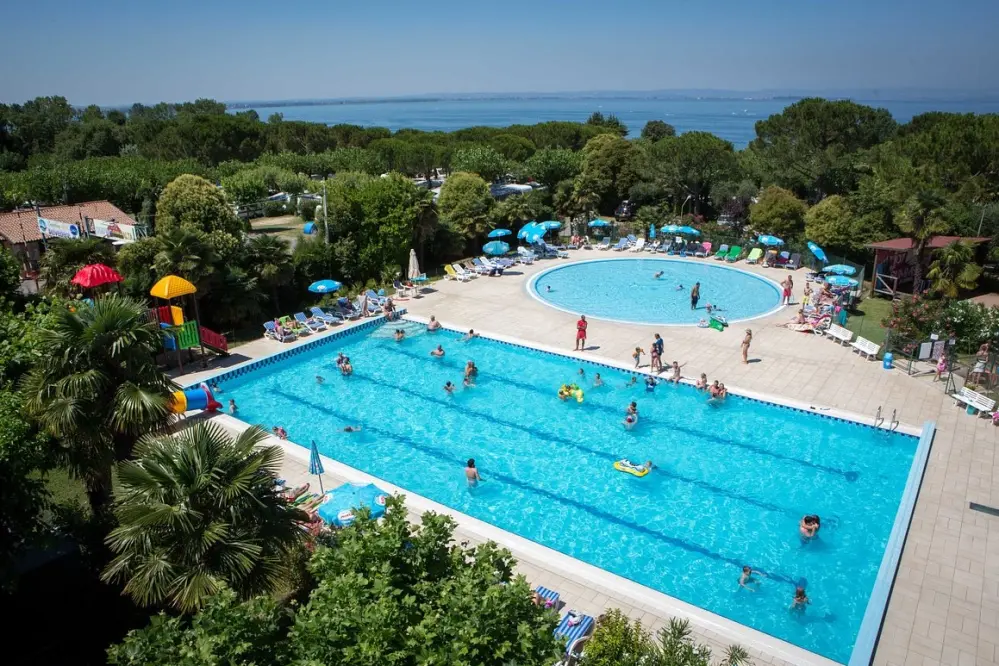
column 627, row 290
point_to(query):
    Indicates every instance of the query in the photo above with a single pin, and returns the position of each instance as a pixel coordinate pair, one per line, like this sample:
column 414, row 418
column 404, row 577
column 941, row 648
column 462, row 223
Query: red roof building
column 936, row 242
column 895, row 261
column 19, row 227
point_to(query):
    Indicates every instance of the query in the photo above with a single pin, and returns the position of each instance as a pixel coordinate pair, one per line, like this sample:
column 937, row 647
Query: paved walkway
column 944, row 607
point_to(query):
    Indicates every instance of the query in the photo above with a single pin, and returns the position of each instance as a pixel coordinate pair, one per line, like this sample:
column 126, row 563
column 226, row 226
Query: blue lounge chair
column 574, row 632
column 621, row 244
column 270, row 331
column 372, row 296
column 326, row 317
column 550, row 597
column 794, row 263
column 604, row 244
column 554, row 251
column 311, row 324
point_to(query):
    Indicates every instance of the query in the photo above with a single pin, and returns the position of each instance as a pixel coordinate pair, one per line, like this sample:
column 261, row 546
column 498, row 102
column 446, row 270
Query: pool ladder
column 892, row 424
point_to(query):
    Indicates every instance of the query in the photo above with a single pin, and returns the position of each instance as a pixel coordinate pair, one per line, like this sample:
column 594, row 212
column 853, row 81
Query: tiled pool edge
column 529, row 286
column 877, row 604
column 585, row 574
column 754, row 396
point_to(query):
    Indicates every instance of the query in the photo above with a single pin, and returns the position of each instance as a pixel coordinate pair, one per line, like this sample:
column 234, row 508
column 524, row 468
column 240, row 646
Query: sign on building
column 116, row 230
column 57, row 229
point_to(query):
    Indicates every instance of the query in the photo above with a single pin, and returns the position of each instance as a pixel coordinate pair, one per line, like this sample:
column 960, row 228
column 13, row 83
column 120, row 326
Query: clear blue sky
column 116, row 51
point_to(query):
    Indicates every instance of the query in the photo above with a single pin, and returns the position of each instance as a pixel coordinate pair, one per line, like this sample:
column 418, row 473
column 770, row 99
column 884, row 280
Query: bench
column 837, row 332
column 866, row 347
column 974, row 401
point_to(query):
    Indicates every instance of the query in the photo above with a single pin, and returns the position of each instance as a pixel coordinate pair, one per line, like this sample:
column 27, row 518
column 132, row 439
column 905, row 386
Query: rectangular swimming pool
column 732, row 479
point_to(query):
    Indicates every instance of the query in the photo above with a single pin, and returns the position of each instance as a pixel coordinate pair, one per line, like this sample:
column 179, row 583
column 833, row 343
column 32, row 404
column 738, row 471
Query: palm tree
column 268, row 258
column 64, row 257
column 186, row 253
column 97, row 388
column 197, row 512
column 921, row 218
column 954, row 269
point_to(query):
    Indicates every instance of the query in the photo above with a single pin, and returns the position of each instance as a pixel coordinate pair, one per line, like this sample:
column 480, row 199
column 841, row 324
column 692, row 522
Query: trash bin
column 886, row 362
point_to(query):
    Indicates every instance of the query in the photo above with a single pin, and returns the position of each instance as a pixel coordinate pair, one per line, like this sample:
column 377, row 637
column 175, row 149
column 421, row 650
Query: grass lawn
column 287, row 227
column 866, row 319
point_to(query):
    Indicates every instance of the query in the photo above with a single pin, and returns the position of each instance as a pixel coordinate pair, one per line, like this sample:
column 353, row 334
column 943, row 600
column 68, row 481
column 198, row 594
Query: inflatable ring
column 630, row 470
column 579, row 395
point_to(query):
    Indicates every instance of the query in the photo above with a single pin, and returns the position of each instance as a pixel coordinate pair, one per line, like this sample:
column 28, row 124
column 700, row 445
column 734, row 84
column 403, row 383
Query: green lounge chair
column 733, row 253
column 754, row 256
column 722, row 251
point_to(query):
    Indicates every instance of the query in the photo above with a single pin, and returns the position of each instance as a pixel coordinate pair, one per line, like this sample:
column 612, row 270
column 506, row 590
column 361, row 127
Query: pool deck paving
column 944, row 605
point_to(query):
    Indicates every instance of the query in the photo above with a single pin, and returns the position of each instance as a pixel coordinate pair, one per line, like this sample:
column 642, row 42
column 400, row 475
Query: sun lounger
column 783, row 258
column 270, row 331
column 550, row 597
column 722, row 252
column 733, row 253
column 604, row 244
column 525, row 256
column 639, row 245
column 621, row 245
column 325, row 317
column 693, row 249
column 451, row 274
column 794, row 263
column 652, row 247
column 359, row 305
column 704, row 250
column 347, row 309
column 498, row 262
column 375, row 298
column 974, row 401
column 754, row 256
column 311, row 324
column 573, row 632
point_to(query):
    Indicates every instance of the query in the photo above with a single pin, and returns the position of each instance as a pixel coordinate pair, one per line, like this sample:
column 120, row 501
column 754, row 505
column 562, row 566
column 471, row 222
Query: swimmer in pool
column 747, row 581
column 472, row 474
column 632, row 409
column 548, row 288
column 582, row 374
column 352, row 429
column 346, row 369
column 658, row 275
column 433, row 324
column 597, row 381
column 702, row 383
column 632, row 381
column 399, row 335
column 629, row 422
column 438, row 353
column 232, row 407
column 809, row 526
column 320, row 380
column 650, row 383
column 679, row 287
column 340, row 358
column 800, row 599
column 645, row 467
column 468, row 336
column 448, row 388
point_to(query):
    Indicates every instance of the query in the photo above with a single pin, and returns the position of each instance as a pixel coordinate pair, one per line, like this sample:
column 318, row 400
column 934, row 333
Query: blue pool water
column 731, row 484
column 627, row 290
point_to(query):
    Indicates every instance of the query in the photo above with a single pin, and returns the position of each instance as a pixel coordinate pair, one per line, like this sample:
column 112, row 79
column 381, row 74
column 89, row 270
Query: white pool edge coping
column 529, row 286
column 585, row 574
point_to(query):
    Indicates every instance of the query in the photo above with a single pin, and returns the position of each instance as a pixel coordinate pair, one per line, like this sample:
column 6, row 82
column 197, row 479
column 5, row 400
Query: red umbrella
column 95, row 275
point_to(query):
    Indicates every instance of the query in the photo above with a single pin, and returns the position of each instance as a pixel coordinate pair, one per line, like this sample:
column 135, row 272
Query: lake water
column 731, row 119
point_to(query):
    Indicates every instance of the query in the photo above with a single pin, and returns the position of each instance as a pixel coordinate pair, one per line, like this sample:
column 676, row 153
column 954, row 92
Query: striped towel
column 550, row 596
column 575, row 632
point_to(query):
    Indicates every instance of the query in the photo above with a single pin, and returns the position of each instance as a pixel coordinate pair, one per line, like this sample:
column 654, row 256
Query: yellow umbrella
column 172, row 286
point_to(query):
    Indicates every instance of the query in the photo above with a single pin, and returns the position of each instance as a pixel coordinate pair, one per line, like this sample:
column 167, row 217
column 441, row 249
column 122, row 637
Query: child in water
column 800, row 599
column 232, row 407
column 746, row 580
column 597, row 381
column 658, row 275
column 650, row 383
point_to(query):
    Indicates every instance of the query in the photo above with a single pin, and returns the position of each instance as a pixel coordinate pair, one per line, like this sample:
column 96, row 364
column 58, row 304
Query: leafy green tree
column 550, row 166
column 832, row 224
column 197, row 513
column 97, row 388
column 485, row 161
column 512, row 147
column 733, row 198
column 186, row 252
column 813, row 146
column 20, row 347
column 610, row 123
column 610, row 168
column 226, row 631
column 193, row 202
column 10, row 274
column 777, row 211
column 689, row 165
column 515, row 210
column 921, row 218
column 657, row 129
column 465, row 202
column 231, row 299
column 270, row 261
column 24, row 452
column 65, row 257
column 406, row 594
column 954, row 269
column 619, row 641
column 136, row 262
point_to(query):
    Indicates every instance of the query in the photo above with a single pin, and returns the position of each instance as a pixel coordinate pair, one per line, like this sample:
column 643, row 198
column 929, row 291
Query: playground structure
column 196, row 398
column 180, row 333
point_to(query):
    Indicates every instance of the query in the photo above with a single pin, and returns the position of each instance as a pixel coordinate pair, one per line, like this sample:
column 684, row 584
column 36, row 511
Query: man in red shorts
column 581, row 333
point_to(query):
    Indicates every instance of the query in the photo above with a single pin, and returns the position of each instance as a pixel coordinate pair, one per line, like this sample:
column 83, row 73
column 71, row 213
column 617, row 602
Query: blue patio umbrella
column 499, row 233
column 841, row 281
column 495, row 248
column 340, row 504
column 551, row 224
column 316, row 464
column 819, row 253
column 688, row 231
column 324, row 286
column 536, row 235
column 671, row 228
column 769, row 240
column 652, row 232
column 599, row 223
column 840, row 269
column 528, row 229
